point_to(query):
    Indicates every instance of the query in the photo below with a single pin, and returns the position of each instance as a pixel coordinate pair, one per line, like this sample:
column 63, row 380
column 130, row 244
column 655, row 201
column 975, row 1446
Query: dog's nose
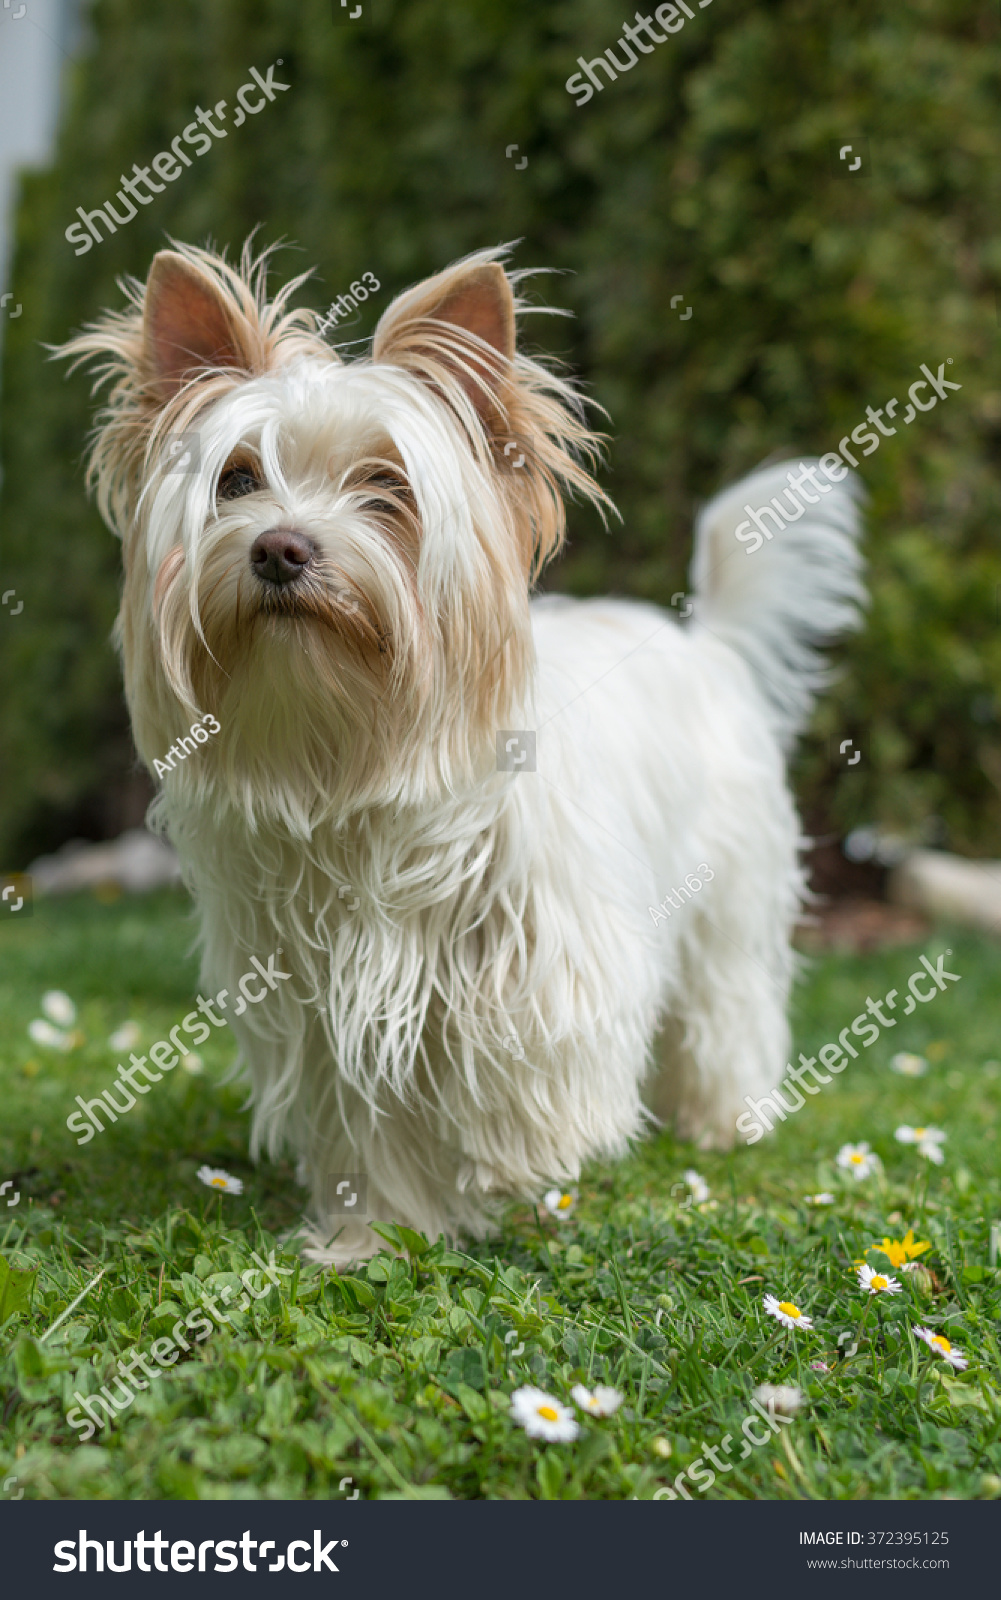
column 281, row 555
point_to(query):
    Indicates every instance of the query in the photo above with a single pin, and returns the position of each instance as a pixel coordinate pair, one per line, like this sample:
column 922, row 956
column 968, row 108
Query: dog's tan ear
column 187, row 325
column 459, row 324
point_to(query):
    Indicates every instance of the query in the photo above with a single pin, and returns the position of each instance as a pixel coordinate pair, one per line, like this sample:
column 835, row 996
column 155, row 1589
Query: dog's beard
column 310, row 684
column 349, row 613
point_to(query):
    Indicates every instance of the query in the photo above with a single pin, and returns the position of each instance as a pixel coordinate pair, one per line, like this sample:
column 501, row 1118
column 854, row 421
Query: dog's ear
column 458, row 327
column 187, row 325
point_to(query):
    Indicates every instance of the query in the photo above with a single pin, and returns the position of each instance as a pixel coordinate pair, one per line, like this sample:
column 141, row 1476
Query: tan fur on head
column 143, row 404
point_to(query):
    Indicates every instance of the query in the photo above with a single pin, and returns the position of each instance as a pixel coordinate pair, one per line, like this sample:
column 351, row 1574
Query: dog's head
column 332, row 556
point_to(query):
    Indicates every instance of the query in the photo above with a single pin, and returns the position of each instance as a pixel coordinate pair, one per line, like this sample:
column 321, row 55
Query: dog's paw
column 334, row 1245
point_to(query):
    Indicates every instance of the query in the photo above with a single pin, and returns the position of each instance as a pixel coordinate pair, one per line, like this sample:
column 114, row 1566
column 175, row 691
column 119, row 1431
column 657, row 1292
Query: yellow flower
column 902, row 1250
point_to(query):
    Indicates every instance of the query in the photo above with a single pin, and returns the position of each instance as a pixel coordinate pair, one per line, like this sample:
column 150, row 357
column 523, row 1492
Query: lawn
column 395, row 1381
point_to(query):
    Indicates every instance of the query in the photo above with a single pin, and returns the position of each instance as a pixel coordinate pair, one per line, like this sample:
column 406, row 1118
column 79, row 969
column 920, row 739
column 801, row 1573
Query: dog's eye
column 385, row 483
column 238, row 481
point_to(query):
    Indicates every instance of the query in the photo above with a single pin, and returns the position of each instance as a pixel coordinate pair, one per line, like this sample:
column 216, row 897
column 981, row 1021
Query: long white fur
column 775, row 604
column 477, row 979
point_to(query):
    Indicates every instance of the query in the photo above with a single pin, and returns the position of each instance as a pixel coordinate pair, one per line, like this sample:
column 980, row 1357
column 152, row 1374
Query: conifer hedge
column 709, row 171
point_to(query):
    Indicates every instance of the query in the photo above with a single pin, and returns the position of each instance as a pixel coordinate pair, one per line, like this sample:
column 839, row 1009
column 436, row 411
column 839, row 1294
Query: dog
column 479, row 945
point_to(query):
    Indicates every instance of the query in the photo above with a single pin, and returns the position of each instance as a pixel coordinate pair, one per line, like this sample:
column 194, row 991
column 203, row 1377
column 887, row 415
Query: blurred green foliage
column 708, row 171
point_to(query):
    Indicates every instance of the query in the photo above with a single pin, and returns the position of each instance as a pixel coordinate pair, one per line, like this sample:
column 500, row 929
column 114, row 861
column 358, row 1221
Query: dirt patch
column 859, row 925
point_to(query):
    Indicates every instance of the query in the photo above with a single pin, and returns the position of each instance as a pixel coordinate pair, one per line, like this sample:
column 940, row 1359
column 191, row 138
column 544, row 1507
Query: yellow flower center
column 857, row 1160
column 789, row 1309
column 218, row 1183
column 549, row 1414
column 564, row 1202
column 942, row 1343
column 919, row 1133
column 877, row 1282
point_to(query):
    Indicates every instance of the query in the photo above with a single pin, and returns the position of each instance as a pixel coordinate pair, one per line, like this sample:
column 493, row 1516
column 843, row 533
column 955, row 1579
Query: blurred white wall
column 37, row 39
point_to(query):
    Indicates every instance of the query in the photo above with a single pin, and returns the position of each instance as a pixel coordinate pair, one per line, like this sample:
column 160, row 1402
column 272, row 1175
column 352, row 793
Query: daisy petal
column 59, row 1008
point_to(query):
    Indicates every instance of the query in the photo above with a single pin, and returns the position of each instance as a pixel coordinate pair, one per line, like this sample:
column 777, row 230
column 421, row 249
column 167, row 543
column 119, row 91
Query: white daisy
column 783, row 1398
column 193, row 1062
column 858, row 1159
column 59, row 1008
column 877, row 1282
column 125, row 1038
column 604, row 1401
column 542, row 1417
column 908, row 1135
column 215, row 1178
column 559, row 1203
column 941, row 1346
column 787, row 1313
column 43, row 1033
column 929, row 1141
column 823, row 1199
column 908, row 1066
column 697, row 1185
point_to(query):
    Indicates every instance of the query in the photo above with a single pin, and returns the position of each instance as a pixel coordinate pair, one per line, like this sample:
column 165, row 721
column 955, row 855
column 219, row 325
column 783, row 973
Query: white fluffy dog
column 481, row 954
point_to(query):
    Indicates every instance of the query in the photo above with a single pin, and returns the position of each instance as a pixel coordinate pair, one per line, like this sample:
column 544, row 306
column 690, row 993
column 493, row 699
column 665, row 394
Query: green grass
column 398, row 1376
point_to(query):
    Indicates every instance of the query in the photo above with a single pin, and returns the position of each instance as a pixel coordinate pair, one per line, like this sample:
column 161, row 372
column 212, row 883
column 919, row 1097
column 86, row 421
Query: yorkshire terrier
column 460, row 813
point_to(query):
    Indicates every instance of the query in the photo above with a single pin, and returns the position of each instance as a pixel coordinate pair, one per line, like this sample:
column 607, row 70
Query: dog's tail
column 777, row 577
